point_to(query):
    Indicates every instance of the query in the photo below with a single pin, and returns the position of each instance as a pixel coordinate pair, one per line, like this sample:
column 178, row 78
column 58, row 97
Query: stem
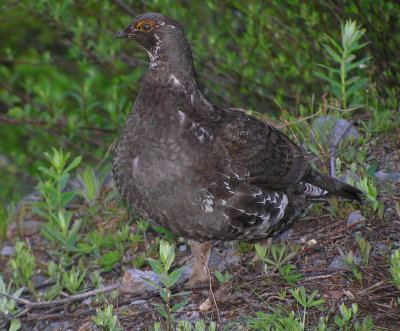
column 343, row 77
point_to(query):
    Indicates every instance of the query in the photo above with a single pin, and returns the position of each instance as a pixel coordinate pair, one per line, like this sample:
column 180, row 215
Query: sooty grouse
column 201, row 171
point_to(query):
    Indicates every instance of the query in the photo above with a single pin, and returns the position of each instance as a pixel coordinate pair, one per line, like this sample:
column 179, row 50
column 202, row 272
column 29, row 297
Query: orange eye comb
column 143, row 22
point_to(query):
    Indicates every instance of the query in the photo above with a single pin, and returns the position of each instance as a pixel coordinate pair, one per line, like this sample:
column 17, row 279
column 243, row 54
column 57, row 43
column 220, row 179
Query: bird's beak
column 121, row 34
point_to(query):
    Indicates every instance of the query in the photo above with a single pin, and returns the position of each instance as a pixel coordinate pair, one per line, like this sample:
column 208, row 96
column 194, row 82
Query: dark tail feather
column 333, row 185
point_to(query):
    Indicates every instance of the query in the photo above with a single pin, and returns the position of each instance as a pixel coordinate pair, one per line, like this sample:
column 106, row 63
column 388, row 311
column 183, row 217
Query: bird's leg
column 201, row 252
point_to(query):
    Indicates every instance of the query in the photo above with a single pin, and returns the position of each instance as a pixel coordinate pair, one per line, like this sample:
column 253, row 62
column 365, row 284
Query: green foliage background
column 65, row 81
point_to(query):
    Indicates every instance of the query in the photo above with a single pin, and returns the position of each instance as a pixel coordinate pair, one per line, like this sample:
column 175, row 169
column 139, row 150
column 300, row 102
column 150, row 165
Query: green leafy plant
column 91, row 185
column 280, row 320
column 55, row 198
column 23, row 266
column 8, row 306
column 222, row 278
column 342, row 85
column 305, row 301
column 200, row 325
column 395, row 268
column 106, row 319
column 168, row 279
column 109, row 259
column 287, row 274
column 277, row 256
column 365, row 248
column 348, row 319
column 73, row 280
column 350, row 261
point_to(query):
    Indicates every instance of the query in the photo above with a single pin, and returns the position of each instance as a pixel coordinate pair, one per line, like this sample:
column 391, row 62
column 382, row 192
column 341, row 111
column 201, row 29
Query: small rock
column 8, row 251
column 332, row 131
column 29, row 228
column 183, row 248
column 132, row 283
column 338, row 263
column 38, row 280
column 221, row 259
column 58, row 326
column 140, row 305
column 284, row 236
column 391, row 177
column 87, row 302
column 354, row 217
column 108, row 183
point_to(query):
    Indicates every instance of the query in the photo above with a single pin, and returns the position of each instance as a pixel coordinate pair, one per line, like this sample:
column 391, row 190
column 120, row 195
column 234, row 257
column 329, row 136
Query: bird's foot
column 201, row 252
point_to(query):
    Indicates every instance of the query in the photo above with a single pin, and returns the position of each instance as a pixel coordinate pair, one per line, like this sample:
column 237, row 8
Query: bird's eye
column 146, row 27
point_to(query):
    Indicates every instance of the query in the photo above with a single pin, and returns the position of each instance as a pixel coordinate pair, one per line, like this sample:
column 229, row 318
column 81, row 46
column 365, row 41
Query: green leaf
column 180, row 305
column 15, row 325
column 327, row 79
column 356, row 86
column 176, row 274
column 156, row 266
column 356, row 47
column 148, row 280
column 163, row 313
column 334, row 43
column 358, row 63
column 73, row 164
column 332, row 53
column 352, row 80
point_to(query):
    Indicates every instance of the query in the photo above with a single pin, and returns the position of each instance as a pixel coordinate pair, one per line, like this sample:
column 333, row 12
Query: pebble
column 332, row 130
column 391, row 177
column 29, row 228
column 338, row 263
column 58, row 326
column 133, row 283
column 8, row 251
column 354, row 217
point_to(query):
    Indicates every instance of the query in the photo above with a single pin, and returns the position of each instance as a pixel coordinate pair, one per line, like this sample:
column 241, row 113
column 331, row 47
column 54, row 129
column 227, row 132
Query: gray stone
column 140, row 305
column 391, row 177
column 338, row 263
column 58, row 326
column 38, row 279
column 331, row 131
column 223, row 258
column 108, row 183
column 29, row 228
column 354, row 217
column 8, row 251
column 133, row 283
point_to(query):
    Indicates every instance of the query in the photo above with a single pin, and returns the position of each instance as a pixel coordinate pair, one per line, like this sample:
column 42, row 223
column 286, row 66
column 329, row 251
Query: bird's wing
column 253, row 152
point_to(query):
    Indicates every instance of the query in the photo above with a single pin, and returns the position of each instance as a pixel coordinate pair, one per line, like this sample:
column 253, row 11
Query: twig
column 212, row 293
column 15, row 121
column 37, row 304
column 368, row 289
column 125, row 7
column 345, row 229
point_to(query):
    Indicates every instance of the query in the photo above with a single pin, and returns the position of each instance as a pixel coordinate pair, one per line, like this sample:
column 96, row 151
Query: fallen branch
column 38, row 304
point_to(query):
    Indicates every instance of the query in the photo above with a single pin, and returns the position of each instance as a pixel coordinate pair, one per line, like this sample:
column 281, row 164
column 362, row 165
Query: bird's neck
column 172, row 61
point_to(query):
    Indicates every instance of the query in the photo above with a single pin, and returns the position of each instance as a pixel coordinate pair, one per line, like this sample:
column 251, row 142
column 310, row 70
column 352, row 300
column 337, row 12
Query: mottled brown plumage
column 201, row 171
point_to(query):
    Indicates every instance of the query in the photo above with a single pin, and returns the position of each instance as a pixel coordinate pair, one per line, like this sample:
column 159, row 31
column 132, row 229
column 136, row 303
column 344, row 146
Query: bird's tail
column 332, row 186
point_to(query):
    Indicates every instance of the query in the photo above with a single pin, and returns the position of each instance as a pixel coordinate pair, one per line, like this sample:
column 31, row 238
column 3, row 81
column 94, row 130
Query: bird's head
column 165, row 42
column 152, row 31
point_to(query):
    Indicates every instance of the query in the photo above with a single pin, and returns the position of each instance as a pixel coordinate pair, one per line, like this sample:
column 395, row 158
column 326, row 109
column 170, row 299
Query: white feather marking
column 154, row 55
column 135, row 162
column 313, row 191
column 175, row 81
column 181, row 117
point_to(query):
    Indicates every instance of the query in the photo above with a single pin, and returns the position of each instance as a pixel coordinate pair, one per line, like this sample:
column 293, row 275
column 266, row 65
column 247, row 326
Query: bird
column 203, row 172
